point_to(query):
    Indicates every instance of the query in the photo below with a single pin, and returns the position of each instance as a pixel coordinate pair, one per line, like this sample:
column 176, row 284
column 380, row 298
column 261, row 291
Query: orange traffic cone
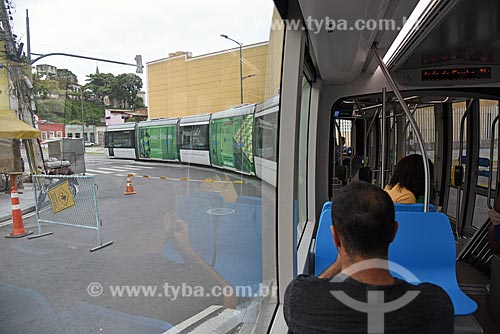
column 129, row 190
column 18, row 230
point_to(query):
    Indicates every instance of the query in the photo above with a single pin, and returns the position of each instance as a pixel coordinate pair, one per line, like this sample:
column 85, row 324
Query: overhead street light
column 138, row 59
column 241, row 65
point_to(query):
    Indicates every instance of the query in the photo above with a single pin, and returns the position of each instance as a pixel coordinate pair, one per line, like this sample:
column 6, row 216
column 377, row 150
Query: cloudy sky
column 120, row 29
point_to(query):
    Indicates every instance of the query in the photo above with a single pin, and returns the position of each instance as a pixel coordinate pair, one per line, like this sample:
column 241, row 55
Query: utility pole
column 21, row 85
column 28, row 40
column 8, row 38
column 83, row 124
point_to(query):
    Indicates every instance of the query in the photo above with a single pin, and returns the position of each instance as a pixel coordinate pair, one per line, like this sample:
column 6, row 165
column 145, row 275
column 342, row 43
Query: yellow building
column 182, row 85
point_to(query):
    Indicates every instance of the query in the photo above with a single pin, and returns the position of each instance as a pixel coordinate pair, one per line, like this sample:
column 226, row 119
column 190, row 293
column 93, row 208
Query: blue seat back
column 326, row 252
column 418, row 207
column 425, row 246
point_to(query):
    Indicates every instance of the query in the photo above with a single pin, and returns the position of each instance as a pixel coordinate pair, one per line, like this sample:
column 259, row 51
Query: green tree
column 139, row 103
column 44, row 88
column 98, row 85
column 93, row 112
column 70, row 77
column 124, row 89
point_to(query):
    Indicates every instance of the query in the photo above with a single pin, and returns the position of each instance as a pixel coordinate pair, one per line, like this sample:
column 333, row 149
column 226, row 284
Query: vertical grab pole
column 413, row 123
column 492, row 145
column 460, row 149
column 384, row 130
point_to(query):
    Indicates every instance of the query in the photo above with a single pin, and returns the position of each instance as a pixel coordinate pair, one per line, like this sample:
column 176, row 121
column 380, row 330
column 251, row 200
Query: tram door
column 479, row 161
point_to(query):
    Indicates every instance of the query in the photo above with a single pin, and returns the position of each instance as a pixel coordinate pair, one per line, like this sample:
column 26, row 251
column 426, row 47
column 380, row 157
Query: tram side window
column 185, row 139
column 301, row 182
column 200, row 137
column 488, row 110
column 194, row 137
column 267, row 136
column 123, row 139
column 459, row 109
column 426, row 123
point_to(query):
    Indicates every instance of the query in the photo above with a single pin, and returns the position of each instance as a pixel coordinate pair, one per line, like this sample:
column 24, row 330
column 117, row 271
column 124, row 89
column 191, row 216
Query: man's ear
column 396, row 226
column 336, row 239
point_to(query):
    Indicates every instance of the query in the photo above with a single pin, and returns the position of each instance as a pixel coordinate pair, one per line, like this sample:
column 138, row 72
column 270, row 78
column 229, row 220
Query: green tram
column 157, row 140
column 231, row 139
column 227, row 139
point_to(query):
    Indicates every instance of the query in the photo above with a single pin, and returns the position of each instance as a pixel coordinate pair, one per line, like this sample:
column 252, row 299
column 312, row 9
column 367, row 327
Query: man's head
column 363, row 220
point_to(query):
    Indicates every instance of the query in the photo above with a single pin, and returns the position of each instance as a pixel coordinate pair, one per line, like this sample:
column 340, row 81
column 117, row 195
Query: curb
column 23, row 212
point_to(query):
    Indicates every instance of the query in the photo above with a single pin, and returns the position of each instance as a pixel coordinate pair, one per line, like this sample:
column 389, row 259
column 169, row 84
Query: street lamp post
column 83, row 124
column 241, row 65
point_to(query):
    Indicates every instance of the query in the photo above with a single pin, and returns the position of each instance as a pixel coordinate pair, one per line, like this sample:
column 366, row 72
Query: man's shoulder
column 306, row 284
column 312, row 306
column 305, row 290
column 433, row 295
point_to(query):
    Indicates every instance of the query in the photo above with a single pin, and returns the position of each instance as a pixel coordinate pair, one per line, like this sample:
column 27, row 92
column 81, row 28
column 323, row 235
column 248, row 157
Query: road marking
column 98, row 171
column 113, row 169
column 144, row 163
column 126, row 168
column 90, row 174
column 8, row 222
column 140, row 166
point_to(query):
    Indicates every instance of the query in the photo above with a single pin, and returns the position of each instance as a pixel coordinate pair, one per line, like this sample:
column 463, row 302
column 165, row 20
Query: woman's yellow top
column 400, row 194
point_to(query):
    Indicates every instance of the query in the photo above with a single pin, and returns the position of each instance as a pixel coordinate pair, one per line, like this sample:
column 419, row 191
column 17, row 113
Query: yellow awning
column 14, row 128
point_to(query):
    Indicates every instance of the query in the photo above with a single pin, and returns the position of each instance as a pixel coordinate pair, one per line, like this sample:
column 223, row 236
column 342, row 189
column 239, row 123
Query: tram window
column 451, row 210
column 267, row 136
column 186, row 132
column 301, row 216
column 208, row 219
column 426, row 123
column 194, row 137
column 480, row 214
column 200, row 136
column 458, row 110
column 488, row 110
column 123, row 139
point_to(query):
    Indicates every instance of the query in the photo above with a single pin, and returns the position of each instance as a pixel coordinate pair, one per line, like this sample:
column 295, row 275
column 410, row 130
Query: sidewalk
column 26, row 199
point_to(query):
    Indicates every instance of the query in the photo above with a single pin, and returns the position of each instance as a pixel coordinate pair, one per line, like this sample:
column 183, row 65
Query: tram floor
column 474, row 283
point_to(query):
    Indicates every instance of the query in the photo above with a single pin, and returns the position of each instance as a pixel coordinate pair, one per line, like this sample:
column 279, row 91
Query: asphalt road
column 200, row 233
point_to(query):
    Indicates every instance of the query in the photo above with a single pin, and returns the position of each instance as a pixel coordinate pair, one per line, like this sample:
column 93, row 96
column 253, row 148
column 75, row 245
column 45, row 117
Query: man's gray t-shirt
column 310, row 307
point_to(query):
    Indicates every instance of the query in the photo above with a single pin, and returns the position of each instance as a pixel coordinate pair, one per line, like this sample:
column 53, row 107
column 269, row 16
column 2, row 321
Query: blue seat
column 426, row 247
column 418, row 207
column 326, row 252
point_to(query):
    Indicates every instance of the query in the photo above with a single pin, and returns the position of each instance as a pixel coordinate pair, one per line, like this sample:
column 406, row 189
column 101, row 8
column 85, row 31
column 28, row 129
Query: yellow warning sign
column 61, row 197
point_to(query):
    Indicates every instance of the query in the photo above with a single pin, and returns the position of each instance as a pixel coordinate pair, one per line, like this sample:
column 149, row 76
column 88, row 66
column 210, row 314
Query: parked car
column 88, row 143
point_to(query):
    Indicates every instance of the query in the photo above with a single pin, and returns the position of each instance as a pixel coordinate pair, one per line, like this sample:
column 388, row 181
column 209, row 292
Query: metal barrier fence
column 69, row 200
